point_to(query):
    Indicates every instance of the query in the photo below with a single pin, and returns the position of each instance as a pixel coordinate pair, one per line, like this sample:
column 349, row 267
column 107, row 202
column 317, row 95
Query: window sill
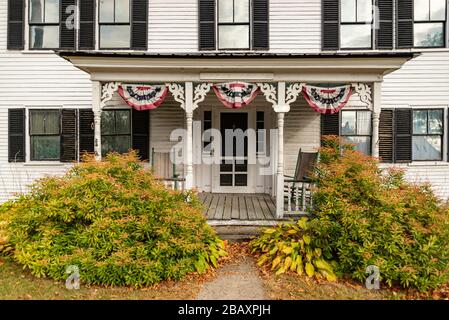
column 46, row 164
column 38, row 51
column 428, row 163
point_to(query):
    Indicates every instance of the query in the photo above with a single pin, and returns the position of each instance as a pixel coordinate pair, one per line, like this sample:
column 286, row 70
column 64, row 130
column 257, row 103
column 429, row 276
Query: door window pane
column 426, row 147
column 428, row 35
column 234, row 37
column 115, row 36
column 355, row 36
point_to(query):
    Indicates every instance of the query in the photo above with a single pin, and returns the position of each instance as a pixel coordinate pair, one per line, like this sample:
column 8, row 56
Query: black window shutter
column 86, row 131
column 87, row 24
column 139, row 25
column 141, row 133
column 403, row 135
column 260, row 24
column 16, row 135
column 386, row 136
column 66, row 30
column 16, row 24
column 330, row 28
column 330, row 124
column 385, row 32
column 404, row 24
column 206, row 24
column 68, row 135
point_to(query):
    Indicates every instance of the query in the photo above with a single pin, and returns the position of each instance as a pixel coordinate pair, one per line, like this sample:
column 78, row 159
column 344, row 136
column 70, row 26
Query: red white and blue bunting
column 327, row 100
column 236, row 95
column 143, row 97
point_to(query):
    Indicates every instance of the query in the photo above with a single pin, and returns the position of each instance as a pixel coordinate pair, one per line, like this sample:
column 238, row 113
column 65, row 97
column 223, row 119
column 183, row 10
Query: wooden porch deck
column 238, row 206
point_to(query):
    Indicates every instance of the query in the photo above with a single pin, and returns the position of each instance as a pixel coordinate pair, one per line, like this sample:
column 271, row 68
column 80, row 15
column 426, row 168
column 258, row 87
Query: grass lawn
column 16, row 283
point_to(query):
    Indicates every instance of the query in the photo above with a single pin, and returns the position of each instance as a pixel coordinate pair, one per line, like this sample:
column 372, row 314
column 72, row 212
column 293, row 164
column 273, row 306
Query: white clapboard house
column 160, row 76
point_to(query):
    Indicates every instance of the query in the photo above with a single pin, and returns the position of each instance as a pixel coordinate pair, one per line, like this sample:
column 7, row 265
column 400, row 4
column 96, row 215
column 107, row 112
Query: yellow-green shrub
column 289, row 247
column 115, row 222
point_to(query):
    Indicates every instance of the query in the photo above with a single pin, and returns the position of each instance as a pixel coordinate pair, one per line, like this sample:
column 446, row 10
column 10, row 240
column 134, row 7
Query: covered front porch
column 254, row 192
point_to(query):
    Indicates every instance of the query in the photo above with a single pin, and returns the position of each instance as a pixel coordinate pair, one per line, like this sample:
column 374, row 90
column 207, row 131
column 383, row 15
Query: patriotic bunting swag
column 327, row 100
column 236, row 95
column 143, row 97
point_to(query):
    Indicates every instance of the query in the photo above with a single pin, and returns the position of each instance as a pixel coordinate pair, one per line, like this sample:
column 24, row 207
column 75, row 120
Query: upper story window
column 115, row 27
column 356, row 17
column 233, row 24
column 429, row 23
column 44, row 24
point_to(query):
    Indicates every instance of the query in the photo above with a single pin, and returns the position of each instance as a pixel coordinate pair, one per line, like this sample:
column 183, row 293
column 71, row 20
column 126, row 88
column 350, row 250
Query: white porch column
column 189, row 136
column 280, row 109
column 377, row 105
column 96, row 108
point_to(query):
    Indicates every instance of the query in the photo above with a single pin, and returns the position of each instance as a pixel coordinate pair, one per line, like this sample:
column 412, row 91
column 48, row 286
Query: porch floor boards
column 238, row 206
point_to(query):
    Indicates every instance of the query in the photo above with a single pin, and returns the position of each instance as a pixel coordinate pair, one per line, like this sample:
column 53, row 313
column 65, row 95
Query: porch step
column 238, row 233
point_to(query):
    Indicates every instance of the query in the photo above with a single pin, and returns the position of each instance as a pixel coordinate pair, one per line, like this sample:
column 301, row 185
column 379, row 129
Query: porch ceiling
column 211, row 67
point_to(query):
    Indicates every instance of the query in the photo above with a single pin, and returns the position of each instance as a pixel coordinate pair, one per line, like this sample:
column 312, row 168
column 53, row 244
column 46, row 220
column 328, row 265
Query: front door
column 233, row 175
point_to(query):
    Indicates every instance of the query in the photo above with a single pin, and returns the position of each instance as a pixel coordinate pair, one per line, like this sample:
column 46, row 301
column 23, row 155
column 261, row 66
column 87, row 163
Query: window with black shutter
column 330, row 29
column 139, row 25
column 386, row 135
column 44, row 24
column 356, row 18
column 404, row 23
column 427, row 138
column 116, row 133
column 384, row 33
column 16, row 135
column 16, row 24
column 233, row 24
column 45, row 134
column 403, row 135
column 69, row 128
column 429, row 25
column 114, row 24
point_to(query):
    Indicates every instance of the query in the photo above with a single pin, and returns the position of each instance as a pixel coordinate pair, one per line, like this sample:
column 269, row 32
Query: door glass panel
column 226, row 180
column 241, row 180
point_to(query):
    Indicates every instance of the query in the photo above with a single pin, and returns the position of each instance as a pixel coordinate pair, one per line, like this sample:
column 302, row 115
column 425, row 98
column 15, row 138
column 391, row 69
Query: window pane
column 234, row 37
column 122, row 122
column 120, row 144
column 225, row 11
column 426, row 147
column 107, row 122
column 348, row 125
column 435, row 121
column 421, row 10
column 420, row 122
column 428, row 35
column 37, row 11
column 241, row 180
column 355, row 36
column 44, row 37
column 362, row 144
column 364, row 122
column 106, row 10
column 45, row 147
column 122, row 11
column 115, row 36
column 348, row 13
column 44, row 122
column 437, row 9
column 241, row 11
column 364, row 11
column 52, row 11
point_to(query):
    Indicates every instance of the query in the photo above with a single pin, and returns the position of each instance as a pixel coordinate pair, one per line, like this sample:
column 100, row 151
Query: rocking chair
column 295, row 187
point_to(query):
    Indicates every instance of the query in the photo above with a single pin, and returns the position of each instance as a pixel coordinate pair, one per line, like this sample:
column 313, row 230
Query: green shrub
column 115, row 222
column 289, row 247
column 5, row 246
column 368, row 216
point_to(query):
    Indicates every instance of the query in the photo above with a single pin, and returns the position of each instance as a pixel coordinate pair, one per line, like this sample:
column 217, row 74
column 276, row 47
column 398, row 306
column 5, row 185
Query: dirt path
column 235, row 281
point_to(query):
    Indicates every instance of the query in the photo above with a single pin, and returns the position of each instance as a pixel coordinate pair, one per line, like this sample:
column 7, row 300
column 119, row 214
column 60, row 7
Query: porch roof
column 250, row 66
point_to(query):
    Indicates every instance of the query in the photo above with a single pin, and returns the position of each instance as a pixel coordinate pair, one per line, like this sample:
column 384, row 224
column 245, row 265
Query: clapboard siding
column 422, row 81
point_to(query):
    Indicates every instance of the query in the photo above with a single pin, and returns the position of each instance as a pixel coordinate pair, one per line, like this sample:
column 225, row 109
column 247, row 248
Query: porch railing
column 298, row 197
column 173, row 183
